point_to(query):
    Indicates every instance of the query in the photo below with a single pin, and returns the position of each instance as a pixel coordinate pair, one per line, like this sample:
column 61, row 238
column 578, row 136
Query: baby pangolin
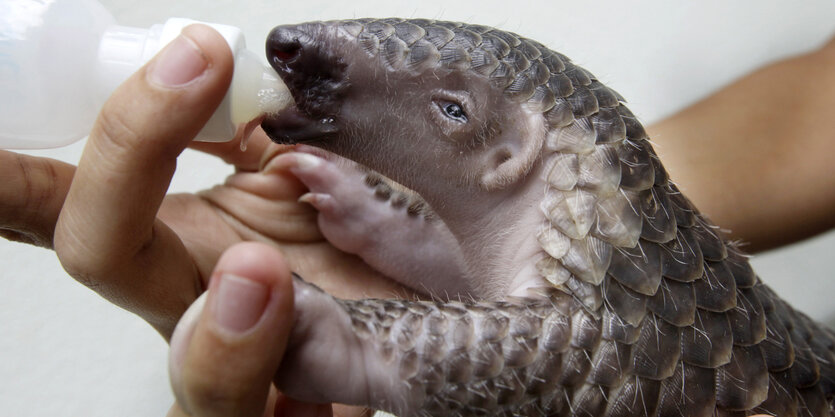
column 579, row 280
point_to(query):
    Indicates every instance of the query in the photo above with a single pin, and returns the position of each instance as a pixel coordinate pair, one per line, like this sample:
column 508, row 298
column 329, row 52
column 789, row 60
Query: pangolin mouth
column 316, row 79
column 293, row 125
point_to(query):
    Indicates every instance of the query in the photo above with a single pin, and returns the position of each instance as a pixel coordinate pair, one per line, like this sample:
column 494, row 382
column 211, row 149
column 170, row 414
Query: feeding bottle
column 61, row 59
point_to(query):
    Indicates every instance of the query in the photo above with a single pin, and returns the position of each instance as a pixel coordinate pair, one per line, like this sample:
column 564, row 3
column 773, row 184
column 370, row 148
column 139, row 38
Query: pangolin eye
column 454, row 111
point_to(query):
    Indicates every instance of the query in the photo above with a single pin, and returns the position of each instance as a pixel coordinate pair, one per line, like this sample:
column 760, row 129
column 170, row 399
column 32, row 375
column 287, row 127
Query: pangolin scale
column 640, row 307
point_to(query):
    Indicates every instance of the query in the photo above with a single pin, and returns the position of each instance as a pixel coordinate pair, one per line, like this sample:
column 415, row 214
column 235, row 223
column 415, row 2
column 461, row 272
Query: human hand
column 115, row 229
column 775, row 190
column 229, row 344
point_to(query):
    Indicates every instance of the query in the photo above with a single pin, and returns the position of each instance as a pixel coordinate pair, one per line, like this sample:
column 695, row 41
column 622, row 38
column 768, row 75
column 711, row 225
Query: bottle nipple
column 256, row 89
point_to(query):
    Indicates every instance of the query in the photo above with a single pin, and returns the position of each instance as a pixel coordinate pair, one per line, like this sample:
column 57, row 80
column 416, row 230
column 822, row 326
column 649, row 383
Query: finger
column 107, row 234
column 223, row 358
column 32, row 193
column 266, row 202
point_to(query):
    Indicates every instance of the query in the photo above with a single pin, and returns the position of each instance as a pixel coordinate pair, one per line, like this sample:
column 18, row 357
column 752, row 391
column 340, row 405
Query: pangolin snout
column 284, row 45
column 303, row 57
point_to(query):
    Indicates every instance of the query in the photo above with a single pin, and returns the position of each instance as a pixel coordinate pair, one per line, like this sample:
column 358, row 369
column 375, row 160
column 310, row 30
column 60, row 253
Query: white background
column 65, row 351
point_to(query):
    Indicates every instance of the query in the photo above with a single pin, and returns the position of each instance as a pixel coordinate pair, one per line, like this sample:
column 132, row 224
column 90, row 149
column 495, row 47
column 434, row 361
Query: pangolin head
column 461, row 112
column 462, row 82
column 464, row 93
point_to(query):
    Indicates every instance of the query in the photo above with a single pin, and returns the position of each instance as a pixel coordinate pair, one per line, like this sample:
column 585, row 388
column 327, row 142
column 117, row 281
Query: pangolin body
column 628, row 304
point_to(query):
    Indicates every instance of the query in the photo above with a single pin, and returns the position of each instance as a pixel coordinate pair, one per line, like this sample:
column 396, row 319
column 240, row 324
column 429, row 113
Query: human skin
column 172, row 230
column 225, row 350
column 768, row 139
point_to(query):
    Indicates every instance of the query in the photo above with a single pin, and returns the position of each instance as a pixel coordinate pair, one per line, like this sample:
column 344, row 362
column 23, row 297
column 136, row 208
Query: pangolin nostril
column 285, row 52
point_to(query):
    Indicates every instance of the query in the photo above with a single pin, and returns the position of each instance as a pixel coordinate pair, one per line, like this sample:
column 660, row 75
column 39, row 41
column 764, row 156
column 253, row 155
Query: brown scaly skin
column 623, row 301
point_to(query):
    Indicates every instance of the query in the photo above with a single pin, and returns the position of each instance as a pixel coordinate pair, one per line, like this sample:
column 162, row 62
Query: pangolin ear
column 513, row 153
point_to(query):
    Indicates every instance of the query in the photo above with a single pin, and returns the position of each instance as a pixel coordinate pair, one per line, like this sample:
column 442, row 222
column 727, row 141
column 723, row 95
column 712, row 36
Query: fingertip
column 255, row 261
column 251, row 295
column 283, row 162
column 32, row 197
column 212, row 45
column 238, row 341
column 178, row 64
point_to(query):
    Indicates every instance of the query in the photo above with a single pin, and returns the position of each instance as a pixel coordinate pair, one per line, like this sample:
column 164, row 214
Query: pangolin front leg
column 391, row 228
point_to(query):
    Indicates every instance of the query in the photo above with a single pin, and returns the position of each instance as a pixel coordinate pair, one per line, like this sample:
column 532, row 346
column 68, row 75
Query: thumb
column 107, row 229
column 227, row 347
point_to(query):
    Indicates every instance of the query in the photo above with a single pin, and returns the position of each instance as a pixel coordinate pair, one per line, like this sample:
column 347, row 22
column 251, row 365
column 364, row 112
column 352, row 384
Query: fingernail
column 239, row 302
column 178, row 63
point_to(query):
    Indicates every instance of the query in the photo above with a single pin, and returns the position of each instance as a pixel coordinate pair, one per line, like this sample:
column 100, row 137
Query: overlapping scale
column 583, row 102
column 636, row 397
column 674, row 302
column 600, row 170
column 747, row 319
column 619, row 221
column 409, row 32
column 588, row 259
column 708, row 342
column 682, row 258
column 716, row 290
column 689, row 392
column 638, row 268
column 564, row 171
column 571, row 212
column 659, row 220
column 577, row 138
column 637, row 172
column 631, row 307
column 742, row 383
column 617, row 329
column 608, row 123
column 606, row 97
column 656, row 353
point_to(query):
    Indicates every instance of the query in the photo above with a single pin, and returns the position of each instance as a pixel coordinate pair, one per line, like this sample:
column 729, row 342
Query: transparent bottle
column 61, row 59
